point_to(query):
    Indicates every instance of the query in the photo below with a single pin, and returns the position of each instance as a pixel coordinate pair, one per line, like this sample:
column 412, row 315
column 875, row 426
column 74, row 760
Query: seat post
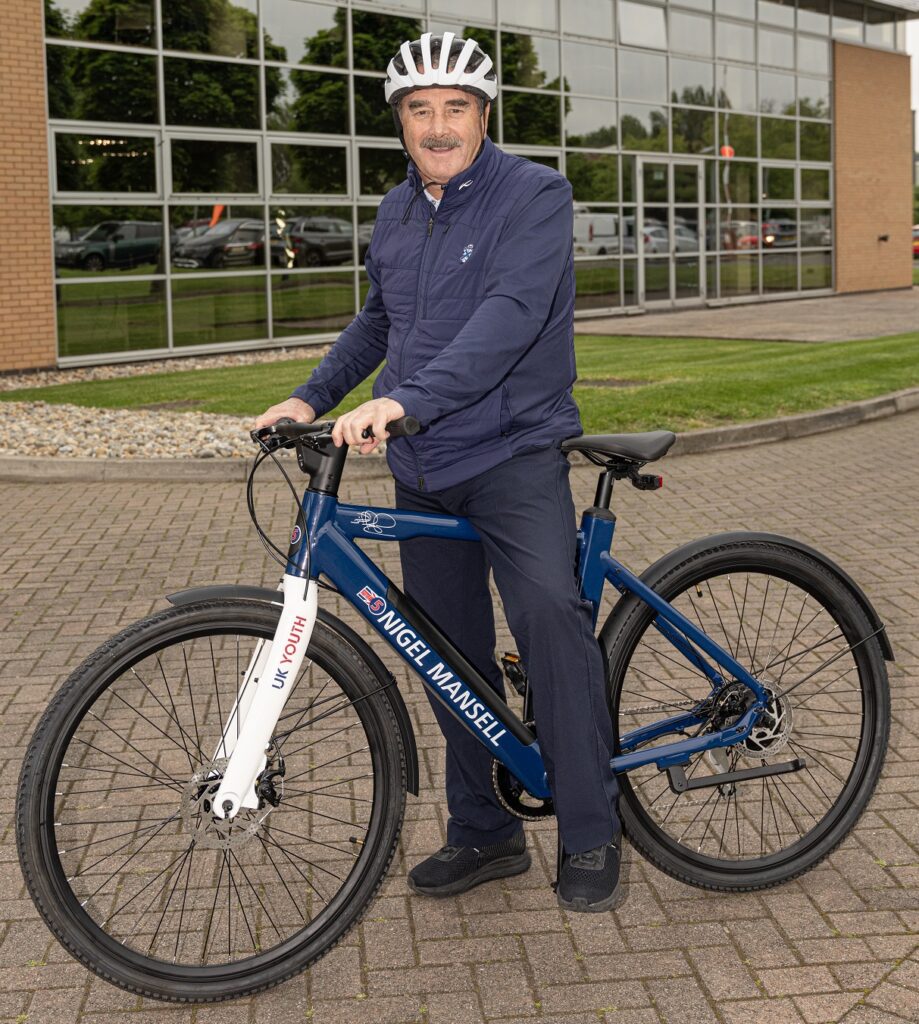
column 604, row 489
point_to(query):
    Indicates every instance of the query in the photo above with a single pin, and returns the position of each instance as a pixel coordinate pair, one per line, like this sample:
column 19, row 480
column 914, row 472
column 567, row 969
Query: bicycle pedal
column 514, row 671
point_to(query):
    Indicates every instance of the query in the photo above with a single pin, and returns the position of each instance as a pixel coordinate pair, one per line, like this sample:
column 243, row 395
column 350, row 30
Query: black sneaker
column 454, row 869
column 589, row 881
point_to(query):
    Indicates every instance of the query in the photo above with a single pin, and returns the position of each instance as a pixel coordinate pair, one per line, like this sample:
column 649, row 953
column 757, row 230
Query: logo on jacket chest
column 467, row 252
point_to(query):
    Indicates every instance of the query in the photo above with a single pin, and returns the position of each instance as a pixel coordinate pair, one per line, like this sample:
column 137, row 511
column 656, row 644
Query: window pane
column 299, row 32
column 780, row 227
column 309, row 169
column 813, row 97
column 815, row 141
column 739, row 228
column 691, row 81
column 128, row 24
column 593, row 176
column 216, row 237
column 739, row 132
column 380, row 170
column 629, row 190
column 215, row 310
column 699, row 5
column 123, row 316
column 735, row 87
column 693, row 130
column 372, row 114
column 320, row 236
column 777, row 12
column 779, row 183
column 630, row 281
column 483, row 9
column 212, row 94
column 641, row 25
column 813, row 55
column 643, row 76
column 815, row 183
column 777, row 48
column 776, row 93
column 376, row 37
column 592, row 18
column 847, row 20
column 590, row 123
column 816, row 270
column 739, row 275
column 880, row 27
column 735, row 42
column 306, row 101
column 737, row 8
column 643, row 127
column 777, row 138
column 529, row 61
column 531, row 119
column 590, row 68
column 816, row 227
column 228, row 30
column 101, row 85
column 691, row 33
column 311, row 303
column 113, row 239
column 780, row 272
column 106, row 163
column 597, row 285
column 532, row 13
column 215, row 167
column 737, row 182
column 814, row 16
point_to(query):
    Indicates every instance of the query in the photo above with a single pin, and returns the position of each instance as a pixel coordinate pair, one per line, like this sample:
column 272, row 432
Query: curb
column 14, row 469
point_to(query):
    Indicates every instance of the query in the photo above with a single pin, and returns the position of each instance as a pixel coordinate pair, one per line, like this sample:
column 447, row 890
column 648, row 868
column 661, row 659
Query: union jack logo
column 373, row 601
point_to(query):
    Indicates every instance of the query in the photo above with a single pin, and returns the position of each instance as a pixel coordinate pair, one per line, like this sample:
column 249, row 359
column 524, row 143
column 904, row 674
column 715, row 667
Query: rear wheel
column 789, row 620
column 122, row 856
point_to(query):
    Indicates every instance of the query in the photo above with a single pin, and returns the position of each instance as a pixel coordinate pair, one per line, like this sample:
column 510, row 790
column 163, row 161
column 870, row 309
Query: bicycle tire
column 840, row 707
column 276, row 879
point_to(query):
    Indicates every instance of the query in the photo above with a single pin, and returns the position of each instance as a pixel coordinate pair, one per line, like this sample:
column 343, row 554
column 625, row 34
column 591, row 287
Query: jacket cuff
column 312, row 397
column 414, row 406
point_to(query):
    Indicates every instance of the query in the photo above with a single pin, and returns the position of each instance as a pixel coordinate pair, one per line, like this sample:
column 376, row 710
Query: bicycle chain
column 648, row 708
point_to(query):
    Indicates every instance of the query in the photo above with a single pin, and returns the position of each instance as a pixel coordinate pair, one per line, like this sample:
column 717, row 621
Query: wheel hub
column 211, row 832
column 773, row 730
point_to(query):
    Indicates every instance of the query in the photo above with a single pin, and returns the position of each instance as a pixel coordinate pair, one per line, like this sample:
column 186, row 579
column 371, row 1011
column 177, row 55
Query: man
column 471, row 305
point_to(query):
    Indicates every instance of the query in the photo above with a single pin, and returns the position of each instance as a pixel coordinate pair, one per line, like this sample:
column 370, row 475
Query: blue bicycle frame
column 333, row 527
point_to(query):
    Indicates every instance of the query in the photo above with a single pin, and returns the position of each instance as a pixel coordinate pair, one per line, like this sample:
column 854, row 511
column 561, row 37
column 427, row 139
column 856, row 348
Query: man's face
column 443, row 131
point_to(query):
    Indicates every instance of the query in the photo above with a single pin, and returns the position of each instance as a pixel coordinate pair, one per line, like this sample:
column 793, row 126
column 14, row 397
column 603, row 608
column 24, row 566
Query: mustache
column 441, row 142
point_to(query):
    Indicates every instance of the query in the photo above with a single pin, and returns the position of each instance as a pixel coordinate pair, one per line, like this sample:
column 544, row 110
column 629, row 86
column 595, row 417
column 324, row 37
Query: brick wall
column 27, row 332
column 873, row 168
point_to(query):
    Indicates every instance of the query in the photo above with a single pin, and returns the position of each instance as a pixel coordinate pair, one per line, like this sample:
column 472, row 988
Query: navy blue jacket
column 472, row 307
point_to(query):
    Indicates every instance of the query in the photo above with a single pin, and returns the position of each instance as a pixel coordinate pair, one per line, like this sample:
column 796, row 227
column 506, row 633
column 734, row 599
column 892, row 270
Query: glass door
column 670, row 232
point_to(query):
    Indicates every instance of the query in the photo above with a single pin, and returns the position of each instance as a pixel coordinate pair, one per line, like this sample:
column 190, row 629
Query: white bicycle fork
column 272, row 670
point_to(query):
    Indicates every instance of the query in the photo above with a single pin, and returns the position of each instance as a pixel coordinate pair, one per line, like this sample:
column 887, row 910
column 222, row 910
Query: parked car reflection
column 113, row 244
column 320, row 241
column 233, row 243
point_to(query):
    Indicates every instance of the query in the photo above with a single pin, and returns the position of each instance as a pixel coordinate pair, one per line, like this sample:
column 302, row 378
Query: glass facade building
column 216, row 164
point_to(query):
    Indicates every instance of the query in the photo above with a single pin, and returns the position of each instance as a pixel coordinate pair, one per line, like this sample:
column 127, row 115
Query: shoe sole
column 503, row 867
column 580, row 905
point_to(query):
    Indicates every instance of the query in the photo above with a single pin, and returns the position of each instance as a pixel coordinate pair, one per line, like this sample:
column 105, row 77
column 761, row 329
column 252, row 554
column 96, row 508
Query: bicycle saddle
column 644, row 447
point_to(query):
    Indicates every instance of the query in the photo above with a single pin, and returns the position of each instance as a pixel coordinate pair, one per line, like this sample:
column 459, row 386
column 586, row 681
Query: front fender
column 234, row 592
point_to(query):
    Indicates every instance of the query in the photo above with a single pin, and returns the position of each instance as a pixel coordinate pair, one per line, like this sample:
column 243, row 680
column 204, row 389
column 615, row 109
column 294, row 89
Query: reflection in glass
column 123, row 316
column 735, row 87
column 320, row 236
column 309, row 169
column 847, row 20
column 737, row 8
column 597, row 284
column 780, row 272
column 529, row 61
column 737, row 182
column 813, row 97
column 777, row 48
column 372, row 115
column 777, row 12
column 593, row 176
column 531, row 13
column 590, row 123
column 739, row 228
column 531, row 119
column 200, row 165
column 687, row 279
column 880, row 27
column 735, row 42
column 739, row 275
column 816, row 270
column 590, row 68
column 592, row 18
column 687, row 236
column 130, row 23
column 815, row 183
column 214, row 310
column 105, row 163
column 643, row 76
column 776, row 93
column 643, row 127
column 219, row 237
column 816, row 227
column 98, row 240
column 484, row 9
column 211, row 93
column 777, row 138
column 814, row 16
column 306, row 101
column 225, row 29
column 642, row 25
column 692, row 82
column 311, row 303
column 739, row 132
column 813, row 55
column 693, row 130
column 543, row 159
column 101, row 85
column 699, row 5
column 630, row 295
column 815, row 141
column 657, row 278
column 380, row 170
column 691, row 33
column 685, row 183
column 654, row 184
column 779, row 183
column 376, row 37
column 780, row 227
column 299, row 32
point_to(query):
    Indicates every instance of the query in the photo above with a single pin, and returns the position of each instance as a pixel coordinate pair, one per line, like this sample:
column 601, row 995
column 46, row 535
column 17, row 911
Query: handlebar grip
column 405, row 426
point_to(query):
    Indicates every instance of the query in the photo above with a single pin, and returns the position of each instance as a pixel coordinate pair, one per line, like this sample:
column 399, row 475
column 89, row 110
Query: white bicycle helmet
column 417, row 65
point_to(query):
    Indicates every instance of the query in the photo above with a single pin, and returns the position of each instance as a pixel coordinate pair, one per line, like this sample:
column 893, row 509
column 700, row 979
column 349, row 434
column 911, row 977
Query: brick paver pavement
column 838, row 944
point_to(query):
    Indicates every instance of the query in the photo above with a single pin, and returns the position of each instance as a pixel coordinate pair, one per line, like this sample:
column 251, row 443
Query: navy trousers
column 524, row 512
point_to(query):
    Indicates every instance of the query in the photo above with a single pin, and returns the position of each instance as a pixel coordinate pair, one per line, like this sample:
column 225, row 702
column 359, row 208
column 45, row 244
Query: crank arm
column 680, row 784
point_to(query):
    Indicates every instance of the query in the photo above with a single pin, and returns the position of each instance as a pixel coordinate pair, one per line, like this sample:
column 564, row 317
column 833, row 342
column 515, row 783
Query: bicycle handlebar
column 286, row 431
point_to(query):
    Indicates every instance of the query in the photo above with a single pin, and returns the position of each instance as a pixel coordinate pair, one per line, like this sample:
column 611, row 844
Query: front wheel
column 121, row 854
column 788, row 619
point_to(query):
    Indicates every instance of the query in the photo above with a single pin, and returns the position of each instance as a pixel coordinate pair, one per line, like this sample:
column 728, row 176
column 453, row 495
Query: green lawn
column 677, row 383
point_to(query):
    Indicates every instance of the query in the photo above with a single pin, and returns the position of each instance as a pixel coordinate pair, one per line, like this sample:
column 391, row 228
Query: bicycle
column 213, row 798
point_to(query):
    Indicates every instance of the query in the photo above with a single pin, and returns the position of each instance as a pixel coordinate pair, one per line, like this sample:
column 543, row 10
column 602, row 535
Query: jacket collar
column 460, row 188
